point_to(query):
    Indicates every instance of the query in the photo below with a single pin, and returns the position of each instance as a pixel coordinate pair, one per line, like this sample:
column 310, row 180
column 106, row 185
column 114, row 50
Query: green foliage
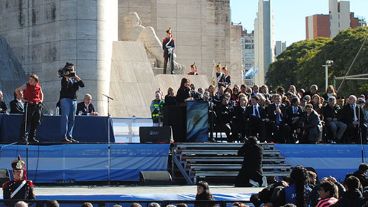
column 301, row 63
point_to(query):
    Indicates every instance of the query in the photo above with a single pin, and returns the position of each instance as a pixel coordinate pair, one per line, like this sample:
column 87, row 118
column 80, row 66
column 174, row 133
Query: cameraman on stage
column 33, row 97
column 70, row 84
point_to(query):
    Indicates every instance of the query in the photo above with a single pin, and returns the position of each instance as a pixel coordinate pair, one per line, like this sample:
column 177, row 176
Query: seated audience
column 352, row 197
column 311, row 125
column 331, row 117
column 361, row 174
column 352, row 115
column 203, row 194
column 256, row 116
column 86, row 107
column 17, row 105
column 3, row 107
column 328, row 194
column 278, row 129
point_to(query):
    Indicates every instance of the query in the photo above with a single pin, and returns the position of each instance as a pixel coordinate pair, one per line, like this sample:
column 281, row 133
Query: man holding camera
column 70, row 84
column 33, row 97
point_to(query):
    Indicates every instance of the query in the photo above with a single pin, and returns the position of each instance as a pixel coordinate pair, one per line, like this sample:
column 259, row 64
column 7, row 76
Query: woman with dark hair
column 183, row 91
column 170, row 99
column 298, row 191
column 328, row 194
column 203, row 194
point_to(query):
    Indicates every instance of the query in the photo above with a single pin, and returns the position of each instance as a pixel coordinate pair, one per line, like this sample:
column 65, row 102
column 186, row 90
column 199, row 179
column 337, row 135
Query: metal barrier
column 126, row 130
column 106, row 203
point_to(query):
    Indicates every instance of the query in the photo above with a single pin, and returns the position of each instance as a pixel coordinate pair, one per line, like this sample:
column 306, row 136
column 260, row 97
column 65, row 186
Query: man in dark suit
column 17, row 105
column 293, row 120
column 86, row 107
column 331, row 117
column 240, row 120
column 277, row 126
column 256, row 116
column 224, row 113
column 352, row 115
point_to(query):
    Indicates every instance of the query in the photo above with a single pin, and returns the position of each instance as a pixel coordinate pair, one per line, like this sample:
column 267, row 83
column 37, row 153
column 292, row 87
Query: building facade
column 263, row 40
column 317, row 26
column 280, row 47
column 339, row 16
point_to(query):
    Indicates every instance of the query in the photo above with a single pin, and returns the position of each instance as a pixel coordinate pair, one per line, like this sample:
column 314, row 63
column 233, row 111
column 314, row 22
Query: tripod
column 108, row 139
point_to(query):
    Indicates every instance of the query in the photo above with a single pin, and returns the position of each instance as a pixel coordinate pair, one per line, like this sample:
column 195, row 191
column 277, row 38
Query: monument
column 42, row 35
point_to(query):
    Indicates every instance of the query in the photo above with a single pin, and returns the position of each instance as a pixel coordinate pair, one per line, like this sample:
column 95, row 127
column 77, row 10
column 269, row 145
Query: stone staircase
column 219, row 162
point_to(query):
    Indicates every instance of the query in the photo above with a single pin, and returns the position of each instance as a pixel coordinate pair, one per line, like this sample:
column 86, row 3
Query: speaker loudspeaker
column 155, row 177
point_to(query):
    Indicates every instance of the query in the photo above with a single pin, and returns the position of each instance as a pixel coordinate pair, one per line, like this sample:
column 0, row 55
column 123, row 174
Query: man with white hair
column 352, row 115
column 21, row 204
column 86, row 107
column 3, row 107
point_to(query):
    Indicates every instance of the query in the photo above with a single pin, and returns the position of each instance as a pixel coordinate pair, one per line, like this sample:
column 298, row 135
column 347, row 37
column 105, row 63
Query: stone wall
column 236, row 54
column 45, row 34
column 201, row 28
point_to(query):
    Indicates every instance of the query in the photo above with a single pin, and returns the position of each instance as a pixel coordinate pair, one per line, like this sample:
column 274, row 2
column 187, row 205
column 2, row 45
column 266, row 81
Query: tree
column 301, row 63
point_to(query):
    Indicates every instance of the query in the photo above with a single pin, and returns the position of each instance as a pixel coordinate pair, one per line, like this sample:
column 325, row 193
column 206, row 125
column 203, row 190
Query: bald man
column 352, row 115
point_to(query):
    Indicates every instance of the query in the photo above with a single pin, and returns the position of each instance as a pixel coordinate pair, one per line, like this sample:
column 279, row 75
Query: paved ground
column 129, row 193
column 101, row 190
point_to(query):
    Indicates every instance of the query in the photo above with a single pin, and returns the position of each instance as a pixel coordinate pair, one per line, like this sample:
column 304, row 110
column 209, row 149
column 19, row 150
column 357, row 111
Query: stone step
column 158, row 71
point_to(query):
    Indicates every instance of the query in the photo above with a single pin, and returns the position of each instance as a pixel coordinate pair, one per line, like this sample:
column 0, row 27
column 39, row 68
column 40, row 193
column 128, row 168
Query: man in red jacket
column 33, row 98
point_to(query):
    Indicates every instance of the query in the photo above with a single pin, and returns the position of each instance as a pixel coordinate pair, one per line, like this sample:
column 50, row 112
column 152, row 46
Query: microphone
column 107, row 96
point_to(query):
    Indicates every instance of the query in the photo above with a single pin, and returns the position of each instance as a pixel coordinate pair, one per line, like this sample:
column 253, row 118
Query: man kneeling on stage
column 19, row 188
column 33, row 97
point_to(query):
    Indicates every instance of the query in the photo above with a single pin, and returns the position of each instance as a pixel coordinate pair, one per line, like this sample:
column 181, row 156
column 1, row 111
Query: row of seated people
column 85, row 107
column 293, row 123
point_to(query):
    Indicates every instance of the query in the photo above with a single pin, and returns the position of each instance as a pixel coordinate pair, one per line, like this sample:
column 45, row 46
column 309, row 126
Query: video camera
column 67, row 70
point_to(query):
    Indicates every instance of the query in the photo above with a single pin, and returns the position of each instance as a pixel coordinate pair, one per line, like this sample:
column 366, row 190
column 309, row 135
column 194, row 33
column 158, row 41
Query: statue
column 133, row 30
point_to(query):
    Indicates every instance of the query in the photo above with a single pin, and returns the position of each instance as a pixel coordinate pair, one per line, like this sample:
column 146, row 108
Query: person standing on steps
column 168, row 45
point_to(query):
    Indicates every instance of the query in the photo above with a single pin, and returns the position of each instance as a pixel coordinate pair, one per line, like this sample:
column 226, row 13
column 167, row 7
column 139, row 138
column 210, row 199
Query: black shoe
column 23, row 141
column 66, row 141
column 34, row 141
column 73, row 140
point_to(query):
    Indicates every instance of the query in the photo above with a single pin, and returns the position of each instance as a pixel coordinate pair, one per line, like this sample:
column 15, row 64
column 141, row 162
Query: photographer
column 70, row 84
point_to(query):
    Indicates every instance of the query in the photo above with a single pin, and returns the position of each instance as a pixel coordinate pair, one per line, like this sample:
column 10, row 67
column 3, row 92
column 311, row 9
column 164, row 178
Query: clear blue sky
column 289, row 15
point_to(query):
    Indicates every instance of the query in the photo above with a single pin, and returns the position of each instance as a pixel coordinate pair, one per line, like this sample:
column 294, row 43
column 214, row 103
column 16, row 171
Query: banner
column 197, row 121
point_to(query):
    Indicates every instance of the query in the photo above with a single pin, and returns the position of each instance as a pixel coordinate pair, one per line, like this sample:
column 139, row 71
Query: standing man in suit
column 352, row 115
column 168, row 45
column 257, row 117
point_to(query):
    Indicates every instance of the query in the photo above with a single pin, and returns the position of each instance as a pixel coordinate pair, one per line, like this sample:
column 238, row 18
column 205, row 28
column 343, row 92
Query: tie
column 354, row 111
column 257, row 112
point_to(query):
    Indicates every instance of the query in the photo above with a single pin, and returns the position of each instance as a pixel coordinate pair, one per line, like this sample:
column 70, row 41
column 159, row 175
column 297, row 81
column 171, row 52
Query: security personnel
column 156, row 108
column 33, row 98
column 19, row 188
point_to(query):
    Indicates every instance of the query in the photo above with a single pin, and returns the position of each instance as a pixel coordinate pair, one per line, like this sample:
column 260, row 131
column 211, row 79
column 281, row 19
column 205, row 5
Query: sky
column 289, row 15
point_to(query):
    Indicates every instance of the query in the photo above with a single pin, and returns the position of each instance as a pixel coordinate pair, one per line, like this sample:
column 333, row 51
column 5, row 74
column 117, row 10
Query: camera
column 67, row 70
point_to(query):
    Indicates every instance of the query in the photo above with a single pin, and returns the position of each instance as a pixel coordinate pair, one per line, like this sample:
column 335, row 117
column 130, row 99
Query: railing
column 108, row 203
column 126, row 130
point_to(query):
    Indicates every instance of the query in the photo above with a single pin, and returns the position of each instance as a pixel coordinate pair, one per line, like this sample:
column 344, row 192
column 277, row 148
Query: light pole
column 329, row 63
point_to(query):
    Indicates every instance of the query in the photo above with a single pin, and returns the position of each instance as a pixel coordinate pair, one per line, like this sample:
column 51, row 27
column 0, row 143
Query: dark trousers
column 238, row 131
column 33, row 113
column 258, row 127
column 167, row 58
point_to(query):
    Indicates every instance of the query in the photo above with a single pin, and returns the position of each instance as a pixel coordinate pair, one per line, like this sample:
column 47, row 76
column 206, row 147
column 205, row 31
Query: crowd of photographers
column 281, row 116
